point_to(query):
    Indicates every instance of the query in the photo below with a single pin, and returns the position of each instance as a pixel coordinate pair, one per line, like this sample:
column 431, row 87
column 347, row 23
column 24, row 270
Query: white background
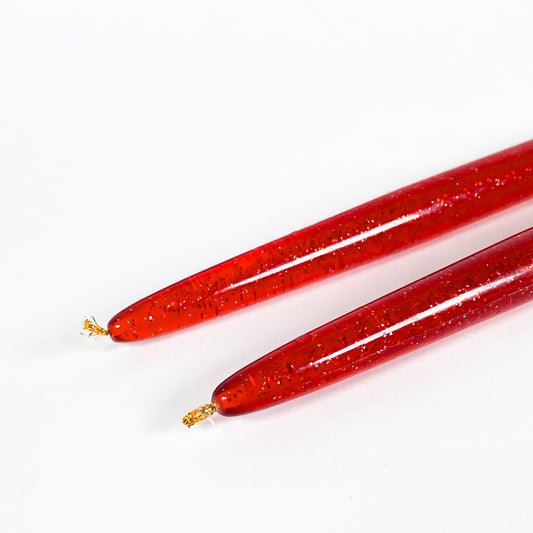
column 141, row 142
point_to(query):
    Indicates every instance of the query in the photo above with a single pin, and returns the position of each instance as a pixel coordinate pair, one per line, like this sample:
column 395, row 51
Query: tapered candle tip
column 199, row 414
column 93, row 327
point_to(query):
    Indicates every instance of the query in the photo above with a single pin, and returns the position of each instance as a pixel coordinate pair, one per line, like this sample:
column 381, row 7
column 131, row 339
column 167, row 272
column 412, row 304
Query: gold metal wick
column 93, row 327
column 199, row 414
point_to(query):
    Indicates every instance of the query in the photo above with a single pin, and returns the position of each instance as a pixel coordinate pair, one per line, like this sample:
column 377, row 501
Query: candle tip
column 93, row 328
column 199, row 414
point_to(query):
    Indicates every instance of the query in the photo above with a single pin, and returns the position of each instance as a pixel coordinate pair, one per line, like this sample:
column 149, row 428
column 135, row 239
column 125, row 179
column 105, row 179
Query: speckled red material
column 473, row 289
column 393, row 222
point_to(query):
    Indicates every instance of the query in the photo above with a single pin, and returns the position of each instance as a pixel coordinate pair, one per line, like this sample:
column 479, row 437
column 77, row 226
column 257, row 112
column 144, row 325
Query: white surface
column 143, row 141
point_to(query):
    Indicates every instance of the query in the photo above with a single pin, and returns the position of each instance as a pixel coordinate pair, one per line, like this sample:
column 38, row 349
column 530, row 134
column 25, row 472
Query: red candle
column 390, row 223
column 460, row 295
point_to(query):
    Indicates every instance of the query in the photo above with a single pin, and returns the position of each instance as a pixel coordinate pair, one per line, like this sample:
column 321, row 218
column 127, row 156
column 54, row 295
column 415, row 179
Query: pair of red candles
column 464, row 293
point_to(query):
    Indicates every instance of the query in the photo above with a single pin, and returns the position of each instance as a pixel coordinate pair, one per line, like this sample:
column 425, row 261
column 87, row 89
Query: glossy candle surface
column 390, row 223
column 473, row 289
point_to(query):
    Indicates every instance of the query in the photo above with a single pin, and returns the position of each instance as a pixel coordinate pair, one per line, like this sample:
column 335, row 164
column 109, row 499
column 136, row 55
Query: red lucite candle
column 469, row 291
column 390, row 223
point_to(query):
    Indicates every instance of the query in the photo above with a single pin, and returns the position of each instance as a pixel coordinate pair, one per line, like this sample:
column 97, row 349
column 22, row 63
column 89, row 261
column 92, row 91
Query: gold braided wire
column 199, row 414
column 93, row 327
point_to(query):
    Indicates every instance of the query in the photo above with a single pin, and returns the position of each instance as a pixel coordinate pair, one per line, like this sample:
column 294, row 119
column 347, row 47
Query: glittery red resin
column 390, row 223
column 474, row 289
